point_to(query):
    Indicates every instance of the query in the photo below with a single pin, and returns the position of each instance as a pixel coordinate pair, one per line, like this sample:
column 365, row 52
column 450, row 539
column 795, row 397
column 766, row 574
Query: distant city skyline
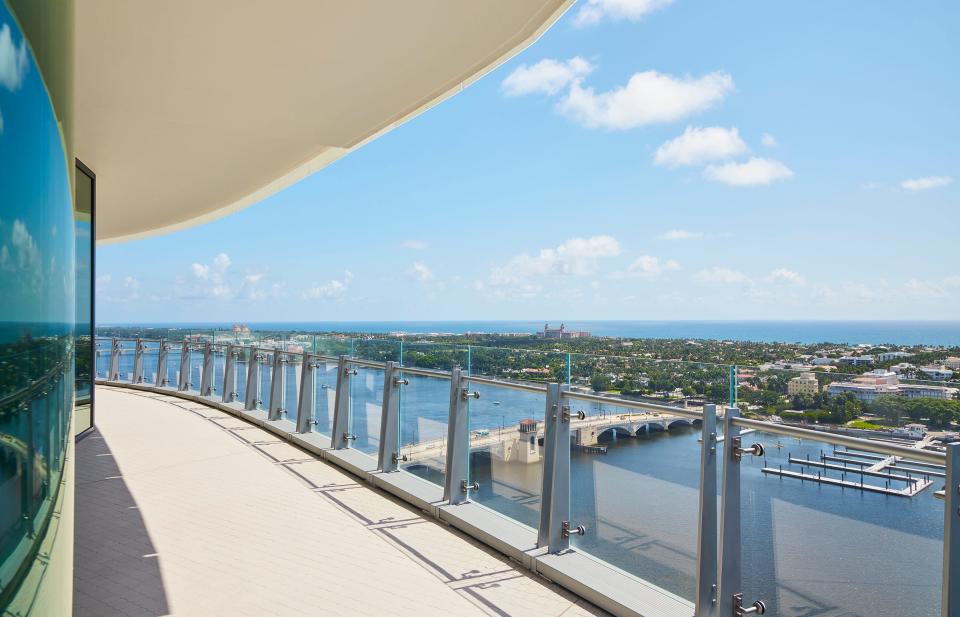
column 642, row 160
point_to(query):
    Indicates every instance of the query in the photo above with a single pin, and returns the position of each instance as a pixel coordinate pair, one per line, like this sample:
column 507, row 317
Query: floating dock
column 915, row 474
column 911, row 489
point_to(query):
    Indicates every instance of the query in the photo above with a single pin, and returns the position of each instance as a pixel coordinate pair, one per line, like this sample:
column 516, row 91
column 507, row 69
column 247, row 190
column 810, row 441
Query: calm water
column 854, row 332
column 808, row 549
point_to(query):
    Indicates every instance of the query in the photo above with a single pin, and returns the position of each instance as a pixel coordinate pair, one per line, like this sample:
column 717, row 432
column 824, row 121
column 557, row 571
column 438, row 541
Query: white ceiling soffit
column 188, row 111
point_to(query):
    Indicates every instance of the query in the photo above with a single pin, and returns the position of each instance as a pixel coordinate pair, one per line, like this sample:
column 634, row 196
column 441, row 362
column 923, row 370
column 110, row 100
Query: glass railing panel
column 506, row 451
column 151, row 359
column 219, row 365
column 424, row 407
column 102, row 357
column 325, row 384
column 424, row 419
column 333, row 346
column 635, row 472
column 242, row 366
column 291, row 389
column 366, row 407
column 376, row 350
column 435, row 356
column 127, row 353
column 506, row 429
column 826, row 539
column 266, row 376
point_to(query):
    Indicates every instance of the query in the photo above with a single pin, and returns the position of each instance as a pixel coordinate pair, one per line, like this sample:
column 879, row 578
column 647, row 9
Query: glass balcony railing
column 697, row 488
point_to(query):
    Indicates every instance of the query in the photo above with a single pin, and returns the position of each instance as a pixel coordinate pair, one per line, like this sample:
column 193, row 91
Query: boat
column 496, row 402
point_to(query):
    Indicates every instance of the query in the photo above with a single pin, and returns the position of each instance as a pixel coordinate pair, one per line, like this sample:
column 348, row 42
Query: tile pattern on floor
column 185, row 510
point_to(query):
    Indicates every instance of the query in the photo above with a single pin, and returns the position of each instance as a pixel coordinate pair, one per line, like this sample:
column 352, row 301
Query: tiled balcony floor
column 183, row 510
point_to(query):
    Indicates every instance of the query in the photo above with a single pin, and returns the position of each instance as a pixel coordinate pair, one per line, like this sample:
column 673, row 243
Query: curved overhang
column 188, row 111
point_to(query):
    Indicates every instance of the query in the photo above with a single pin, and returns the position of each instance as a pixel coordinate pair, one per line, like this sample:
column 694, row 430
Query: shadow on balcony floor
column 116, row 568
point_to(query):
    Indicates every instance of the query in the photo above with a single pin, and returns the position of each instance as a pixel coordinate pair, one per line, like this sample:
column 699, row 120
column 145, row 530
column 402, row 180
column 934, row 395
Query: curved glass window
column 37, row 310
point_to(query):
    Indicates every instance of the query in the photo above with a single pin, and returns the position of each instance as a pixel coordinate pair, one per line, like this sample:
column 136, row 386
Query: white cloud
column 681, row 234
column 201, row 271
column 942, row 288
column 721, row 276
column 700, row 145
column 768, row 140
column 211, row 280
column 575, row 257
column 649, row 97
column 221, row 262
column 102, row 281
column 420, row 271
column 13, row 60
column 332, row 290
column 545, row 77
column 754, row 172
column 648, row 267
column 785, row 276
column 28, row 255
column 632, row 10
column 414, row 245
column 923, row 184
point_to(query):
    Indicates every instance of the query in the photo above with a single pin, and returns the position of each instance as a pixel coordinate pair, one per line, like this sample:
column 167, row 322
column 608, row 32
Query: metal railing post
column 389, row 457
column 278, row 381
column 457, row 485
column 305, row 402
column 206, row 372
column 114, row 360
column 551, row 417
column 230, row 375
column 184, row 383
column 950, row 597
column 138, row 363
column 560, row 526
column 340, row 435
column 252, row 397
column 162, row 352
column 706, row 592
column 730, row 565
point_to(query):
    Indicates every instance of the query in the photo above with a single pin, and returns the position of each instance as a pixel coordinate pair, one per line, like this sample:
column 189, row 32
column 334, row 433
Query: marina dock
column 915, row 474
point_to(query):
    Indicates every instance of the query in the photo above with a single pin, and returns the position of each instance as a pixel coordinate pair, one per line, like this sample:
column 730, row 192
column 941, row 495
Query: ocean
column 946, row 333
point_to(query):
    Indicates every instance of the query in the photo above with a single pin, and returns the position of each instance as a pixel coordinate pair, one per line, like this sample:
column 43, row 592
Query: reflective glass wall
column 37, row 314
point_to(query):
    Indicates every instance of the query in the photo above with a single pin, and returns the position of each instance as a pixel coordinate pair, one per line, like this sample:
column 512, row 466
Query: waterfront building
column 880, row 382
column 886, row 356
column 863, row 360
column 936, row 373
column 561, row 332
column 805, row 384
column 952, row 363
column 903, row 367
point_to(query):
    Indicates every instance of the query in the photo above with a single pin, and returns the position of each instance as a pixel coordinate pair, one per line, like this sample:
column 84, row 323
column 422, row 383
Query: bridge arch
column 651, row 427
column 680, row 422
column 613, row 432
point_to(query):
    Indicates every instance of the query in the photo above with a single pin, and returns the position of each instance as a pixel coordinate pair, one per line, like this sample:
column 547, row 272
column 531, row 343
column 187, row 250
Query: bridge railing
column 437, row 425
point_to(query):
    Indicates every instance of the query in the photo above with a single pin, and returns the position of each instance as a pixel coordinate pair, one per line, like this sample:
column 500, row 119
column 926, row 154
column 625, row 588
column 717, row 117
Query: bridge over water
column 518, row 444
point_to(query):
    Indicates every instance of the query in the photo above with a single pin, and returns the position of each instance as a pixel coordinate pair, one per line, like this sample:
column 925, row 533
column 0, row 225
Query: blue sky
column 645, row 159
